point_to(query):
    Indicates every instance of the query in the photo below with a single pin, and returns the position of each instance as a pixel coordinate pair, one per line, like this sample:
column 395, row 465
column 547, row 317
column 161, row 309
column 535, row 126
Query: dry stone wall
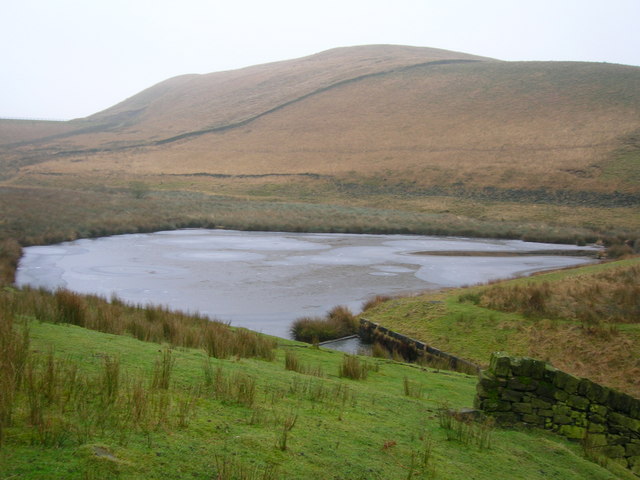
column 412, row 350
column 523, row 390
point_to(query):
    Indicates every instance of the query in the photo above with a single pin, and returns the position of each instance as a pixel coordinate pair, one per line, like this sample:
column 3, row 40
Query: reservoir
column 265, row 280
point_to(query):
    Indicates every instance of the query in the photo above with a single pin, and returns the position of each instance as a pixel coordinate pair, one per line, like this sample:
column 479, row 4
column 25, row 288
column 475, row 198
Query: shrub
column 71, row 308
column 352, row 367
column 339, row 322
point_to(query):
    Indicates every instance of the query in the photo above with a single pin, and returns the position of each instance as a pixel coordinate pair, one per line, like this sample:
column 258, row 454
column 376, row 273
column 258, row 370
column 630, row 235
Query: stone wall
column 523, row 390
column 413, row 350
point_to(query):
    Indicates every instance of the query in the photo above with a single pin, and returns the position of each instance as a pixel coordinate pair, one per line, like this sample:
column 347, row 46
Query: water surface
column 265, row 280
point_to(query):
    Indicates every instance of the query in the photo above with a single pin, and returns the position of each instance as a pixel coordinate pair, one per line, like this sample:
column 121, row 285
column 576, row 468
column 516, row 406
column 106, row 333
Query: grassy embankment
column 584, row 321
column 82, row 404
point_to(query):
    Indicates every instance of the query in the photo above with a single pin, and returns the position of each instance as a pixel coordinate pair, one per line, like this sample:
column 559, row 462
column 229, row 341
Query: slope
column 95, row 405
column 454, row 122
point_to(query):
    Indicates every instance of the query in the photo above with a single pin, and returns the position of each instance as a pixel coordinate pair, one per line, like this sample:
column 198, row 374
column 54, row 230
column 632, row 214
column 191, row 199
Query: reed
column 14, row 355
column 354, row 368
column 162, row 371
column 412, row 388
column 287, row 425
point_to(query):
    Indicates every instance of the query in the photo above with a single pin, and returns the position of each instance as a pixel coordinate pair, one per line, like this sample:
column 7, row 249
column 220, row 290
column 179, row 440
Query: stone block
column 533, row 419
column 485, row 391
column 506, row 418
column 620, row 402
column 583, row 385
column 566, row 382
column 579, row 418
column 549, row 373
column 546, row 389
column 491, row 405
column 614, row 439
column 522, row 408
column 594, row 392
column 622, row 420
column 597, row 428
column 545, row 413
column 561, row 419
column 595, row 418
column 635, row 467
column 500, row 364
column 527, row 367
column 578, row 402
column 573, row 432
column 511, row 396
column 539, row 403
column 520, row 366
column 488, row 380
column 560, row 409
column 560, row 395
column 538, row 369
column 599, row 409
column 522, row 384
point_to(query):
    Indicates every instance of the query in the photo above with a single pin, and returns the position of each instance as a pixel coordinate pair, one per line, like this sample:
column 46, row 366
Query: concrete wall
column 523, row 390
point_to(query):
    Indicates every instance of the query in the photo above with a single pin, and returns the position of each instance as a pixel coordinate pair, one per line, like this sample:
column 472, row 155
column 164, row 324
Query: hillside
column 429, row 117
column 582, row 320
column 82, row 404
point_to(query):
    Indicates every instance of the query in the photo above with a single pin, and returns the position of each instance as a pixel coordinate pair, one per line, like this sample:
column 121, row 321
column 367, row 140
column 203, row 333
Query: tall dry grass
column 14, row 351
column 612, row 296
column 337, row 323
column 150, row 323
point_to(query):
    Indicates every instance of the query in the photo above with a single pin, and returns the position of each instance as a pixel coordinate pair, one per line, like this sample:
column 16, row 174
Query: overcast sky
column 63, row 59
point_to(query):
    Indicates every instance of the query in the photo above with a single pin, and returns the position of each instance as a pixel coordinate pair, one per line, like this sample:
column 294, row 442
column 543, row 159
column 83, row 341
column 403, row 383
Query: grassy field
column 82, row 404
column 584, row 321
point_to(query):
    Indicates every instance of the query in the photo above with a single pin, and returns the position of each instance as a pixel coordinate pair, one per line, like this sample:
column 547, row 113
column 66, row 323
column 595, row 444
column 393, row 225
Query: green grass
column 331, row 423
column 455, row 321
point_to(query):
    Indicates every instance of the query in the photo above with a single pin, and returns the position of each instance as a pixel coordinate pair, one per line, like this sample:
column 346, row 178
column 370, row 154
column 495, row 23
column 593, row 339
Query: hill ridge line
column 240, row 123
column 244, row 122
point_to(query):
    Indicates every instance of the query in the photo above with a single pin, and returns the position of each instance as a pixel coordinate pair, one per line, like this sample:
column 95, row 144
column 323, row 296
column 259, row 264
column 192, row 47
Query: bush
column 338, row 323
column 352, row 367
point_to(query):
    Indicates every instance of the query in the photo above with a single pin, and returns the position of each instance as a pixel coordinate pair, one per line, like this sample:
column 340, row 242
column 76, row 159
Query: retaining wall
column 524, row 390
column 412, row 350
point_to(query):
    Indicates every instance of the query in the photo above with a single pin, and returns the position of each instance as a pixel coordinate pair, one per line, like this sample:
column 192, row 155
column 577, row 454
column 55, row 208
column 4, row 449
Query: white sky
column 62, row 59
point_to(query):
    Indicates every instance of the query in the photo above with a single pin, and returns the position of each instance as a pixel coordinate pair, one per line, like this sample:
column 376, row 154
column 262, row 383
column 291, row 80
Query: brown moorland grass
column 509, row 125
column 611, row 296
column 190, row 103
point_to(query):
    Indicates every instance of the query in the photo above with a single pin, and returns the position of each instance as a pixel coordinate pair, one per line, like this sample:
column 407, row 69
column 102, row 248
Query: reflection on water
column 264, row 280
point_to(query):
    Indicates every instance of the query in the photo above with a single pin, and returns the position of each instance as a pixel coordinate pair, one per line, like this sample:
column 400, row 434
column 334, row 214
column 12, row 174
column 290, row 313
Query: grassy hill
column 582, row 320
column 79, row 403
column 544, row 150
